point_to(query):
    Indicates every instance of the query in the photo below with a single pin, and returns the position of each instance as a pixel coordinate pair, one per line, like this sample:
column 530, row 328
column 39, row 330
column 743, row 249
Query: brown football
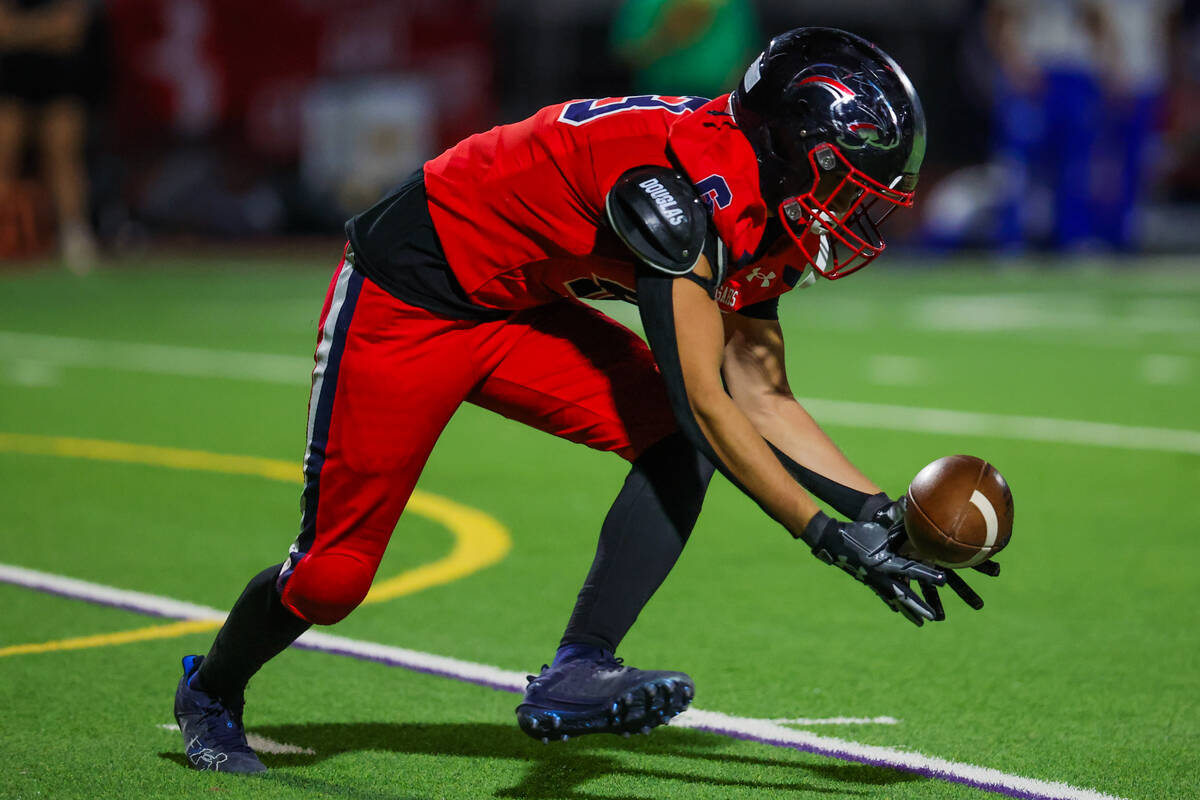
column 960, row 511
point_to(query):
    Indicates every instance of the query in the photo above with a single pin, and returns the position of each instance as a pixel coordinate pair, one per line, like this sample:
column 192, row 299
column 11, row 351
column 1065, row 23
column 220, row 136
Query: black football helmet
column 840, row 136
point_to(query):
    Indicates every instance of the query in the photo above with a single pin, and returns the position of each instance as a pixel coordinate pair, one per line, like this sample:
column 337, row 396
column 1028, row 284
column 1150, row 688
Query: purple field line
column 387, row 661
column 842, row 755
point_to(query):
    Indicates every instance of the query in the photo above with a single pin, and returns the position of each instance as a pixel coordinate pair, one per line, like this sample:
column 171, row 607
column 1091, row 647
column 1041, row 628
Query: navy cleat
column 213, row 736
column 600, row 695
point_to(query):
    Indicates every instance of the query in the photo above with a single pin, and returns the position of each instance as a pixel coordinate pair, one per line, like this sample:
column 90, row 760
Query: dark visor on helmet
column 836, row 223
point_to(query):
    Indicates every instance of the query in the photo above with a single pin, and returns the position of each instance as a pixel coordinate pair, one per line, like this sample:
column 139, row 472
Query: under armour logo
column 205, row 758
column 756, row 275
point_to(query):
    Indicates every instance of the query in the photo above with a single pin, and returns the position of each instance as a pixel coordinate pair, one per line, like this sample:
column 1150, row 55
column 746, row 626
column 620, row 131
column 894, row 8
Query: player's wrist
column 814, row 531
column 872, row 506
column 804, row 513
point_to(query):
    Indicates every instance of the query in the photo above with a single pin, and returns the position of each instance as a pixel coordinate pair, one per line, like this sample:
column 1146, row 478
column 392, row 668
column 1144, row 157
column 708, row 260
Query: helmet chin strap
column 822, row 223
column 823, row 258
column 807, row 278
column 824, row 251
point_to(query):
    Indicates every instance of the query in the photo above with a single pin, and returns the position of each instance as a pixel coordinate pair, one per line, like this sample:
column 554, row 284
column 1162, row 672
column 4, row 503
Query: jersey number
column 715, row 191
column 582, row 111
column 597, row 288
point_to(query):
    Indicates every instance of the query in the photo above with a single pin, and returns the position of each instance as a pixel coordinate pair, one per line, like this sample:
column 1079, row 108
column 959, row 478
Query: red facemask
column 836, row 222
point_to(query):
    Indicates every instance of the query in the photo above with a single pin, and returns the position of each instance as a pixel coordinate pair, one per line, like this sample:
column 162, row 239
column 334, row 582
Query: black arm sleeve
column 657, row 309
column 848, row 502
column 767, row 309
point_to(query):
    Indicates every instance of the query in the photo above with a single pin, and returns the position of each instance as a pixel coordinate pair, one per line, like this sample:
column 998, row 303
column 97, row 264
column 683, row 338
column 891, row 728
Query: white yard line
column 202, row 362
column 767, row 732
column 1002, row 426
column 261, row 744
column 763, row 731
column 161, row 359
column 1165, row 370
column 893, row 370
column 807, row 721
column 1060, row 312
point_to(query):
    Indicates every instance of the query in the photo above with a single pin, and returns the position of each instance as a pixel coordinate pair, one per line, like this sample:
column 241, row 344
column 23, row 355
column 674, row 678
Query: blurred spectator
column 1048, row 112
column 689, row 47
column 1136, row 71
column 1183, row 109
column 224, row 131
column 48, row 69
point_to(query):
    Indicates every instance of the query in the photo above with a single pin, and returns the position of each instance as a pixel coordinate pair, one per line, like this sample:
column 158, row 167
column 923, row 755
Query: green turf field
column 1084, row 669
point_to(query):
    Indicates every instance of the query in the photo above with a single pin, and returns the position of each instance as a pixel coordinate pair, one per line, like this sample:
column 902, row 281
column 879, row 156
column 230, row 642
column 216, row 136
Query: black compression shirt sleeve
column 848, row 502
column 657, row 309
column 767, row 309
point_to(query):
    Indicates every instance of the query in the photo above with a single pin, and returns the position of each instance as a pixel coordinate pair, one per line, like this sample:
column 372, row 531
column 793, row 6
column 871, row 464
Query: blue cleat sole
column 639, row 710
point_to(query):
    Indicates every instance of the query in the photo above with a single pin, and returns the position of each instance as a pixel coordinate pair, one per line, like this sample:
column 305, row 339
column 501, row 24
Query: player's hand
column 865, row 551
column 894, row 512
column 955, row 581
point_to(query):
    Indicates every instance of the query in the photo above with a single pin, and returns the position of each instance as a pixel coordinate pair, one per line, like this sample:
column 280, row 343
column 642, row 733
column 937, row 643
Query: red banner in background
column 243, row 70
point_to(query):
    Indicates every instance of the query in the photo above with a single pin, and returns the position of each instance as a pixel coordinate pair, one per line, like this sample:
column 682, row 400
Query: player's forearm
column 684, row 329
column 783, row 422
column 756, row 375
column 741, row 448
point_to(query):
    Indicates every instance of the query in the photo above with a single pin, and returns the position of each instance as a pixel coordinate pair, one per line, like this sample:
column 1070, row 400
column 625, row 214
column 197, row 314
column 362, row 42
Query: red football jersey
column 779, row 271
column 520, row 211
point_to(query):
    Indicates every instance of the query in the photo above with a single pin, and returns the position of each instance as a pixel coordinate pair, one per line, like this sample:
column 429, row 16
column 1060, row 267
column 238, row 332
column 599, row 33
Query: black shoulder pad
column 659, row 216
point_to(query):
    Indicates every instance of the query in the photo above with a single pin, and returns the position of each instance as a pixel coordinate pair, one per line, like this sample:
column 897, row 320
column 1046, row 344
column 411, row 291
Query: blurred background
column 199, row 158
column 1066, row 127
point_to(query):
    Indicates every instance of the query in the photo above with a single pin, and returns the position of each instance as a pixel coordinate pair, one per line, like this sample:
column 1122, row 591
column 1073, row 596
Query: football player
column 465, row 285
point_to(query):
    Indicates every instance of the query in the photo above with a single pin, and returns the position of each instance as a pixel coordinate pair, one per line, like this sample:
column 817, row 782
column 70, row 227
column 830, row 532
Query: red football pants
column 387, row 379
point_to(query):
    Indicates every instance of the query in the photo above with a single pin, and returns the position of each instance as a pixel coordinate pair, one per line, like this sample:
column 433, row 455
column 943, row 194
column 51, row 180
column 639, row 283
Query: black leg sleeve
column 642, row 536
column 257, row 629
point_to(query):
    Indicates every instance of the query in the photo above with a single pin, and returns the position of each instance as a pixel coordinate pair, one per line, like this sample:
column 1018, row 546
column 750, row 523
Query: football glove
column 865, row 550
column 891, row 514
column 960, row 587
column 882, row 509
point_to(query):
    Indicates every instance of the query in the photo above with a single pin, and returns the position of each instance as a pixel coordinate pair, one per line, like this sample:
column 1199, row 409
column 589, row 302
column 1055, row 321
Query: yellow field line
column 479, row 539
column 170, row 457
column 167, row 631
